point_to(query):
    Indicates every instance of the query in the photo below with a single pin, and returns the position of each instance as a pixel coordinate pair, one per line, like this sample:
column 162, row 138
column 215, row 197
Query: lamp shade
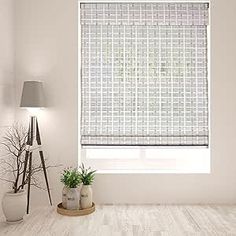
column 32, row 94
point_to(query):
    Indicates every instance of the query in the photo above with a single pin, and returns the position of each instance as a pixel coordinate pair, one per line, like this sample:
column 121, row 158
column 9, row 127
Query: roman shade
column 144, row 74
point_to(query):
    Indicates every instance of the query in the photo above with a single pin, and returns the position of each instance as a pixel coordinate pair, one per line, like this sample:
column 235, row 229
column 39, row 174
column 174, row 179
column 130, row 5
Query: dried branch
column 6, row 180
column 15, row 144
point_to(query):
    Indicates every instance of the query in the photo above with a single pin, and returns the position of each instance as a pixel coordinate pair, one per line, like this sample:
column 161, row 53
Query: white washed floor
column 125, row 220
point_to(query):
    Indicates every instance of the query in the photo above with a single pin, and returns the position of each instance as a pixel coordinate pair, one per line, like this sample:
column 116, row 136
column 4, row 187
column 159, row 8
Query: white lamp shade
column 32, row 94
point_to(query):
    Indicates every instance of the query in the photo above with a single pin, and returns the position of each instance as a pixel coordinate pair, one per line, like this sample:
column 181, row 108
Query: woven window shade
column 144, row 74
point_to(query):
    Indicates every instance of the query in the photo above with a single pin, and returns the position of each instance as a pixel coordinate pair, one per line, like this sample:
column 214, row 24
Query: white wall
column 46, row 44
column 7, row 75
column 7, row 53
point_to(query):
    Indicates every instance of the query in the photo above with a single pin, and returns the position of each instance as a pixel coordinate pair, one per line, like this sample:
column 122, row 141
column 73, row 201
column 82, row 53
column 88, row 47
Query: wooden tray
column 81, row 212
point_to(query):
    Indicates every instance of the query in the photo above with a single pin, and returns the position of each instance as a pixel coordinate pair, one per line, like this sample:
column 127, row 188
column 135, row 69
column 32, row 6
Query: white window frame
column 147, row 159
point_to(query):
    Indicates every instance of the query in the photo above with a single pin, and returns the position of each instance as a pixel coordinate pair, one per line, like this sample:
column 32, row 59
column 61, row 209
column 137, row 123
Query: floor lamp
column 33, row 98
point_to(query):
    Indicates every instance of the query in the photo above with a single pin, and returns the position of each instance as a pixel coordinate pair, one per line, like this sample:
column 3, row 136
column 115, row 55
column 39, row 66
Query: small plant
column 71, row 178
column 86, row 175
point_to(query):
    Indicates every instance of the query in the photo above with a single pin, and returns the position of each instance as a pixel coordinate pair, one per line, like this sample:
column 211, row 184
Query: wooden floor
column 137, row 220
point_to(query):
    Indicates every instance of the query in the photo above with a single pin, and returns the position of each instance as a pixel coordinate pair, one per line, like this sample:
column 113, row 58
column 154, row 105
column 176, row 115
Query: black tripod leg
column 25, row 168
column 45, row 175
column 29, row 180
column 38, row 139
column 29, row 142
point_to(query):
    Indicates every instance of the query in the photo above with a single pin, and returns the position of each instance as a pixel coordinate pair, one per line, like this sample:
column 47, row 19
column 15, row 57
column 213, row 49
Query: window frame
column 171, row 160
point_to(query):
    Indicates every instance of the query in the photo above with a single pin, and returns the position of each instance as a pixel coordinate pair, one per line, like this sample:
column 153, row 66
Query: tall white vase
column 14, row 206
column 86, row 198
column 73, row 199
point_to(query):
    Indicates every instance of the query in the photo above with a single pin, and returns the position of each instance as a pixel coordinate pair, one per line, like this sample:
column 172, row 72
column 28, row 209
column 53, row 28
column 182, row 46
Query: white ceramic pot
column 86, row 198
column 64, row 197
column 14, row 206
column 73, row 199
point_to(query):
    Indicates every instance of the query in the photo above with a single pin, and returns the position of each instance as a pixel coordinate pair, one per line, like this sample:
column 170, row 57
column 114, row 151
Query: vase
column 14, row 206
column 73, row 199
column 64, row 197
column 86, row 199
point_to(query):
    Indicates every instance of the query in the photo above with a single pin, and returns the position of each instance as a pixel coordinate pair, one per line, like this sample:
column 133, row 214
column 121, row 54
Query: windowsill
column 148, row 161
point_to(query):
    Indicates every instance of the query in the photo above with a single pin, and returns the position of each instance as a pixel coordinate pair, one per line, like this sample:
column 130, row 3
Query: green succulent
column 71, row 178
column 86, row 175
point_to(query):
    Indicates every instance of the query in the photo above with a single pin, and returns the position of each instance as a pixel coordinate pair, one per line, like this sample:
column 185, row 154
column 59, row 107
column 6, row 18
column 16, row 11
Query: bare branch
column 9, row 149
column 15, row 144
column 7, row 180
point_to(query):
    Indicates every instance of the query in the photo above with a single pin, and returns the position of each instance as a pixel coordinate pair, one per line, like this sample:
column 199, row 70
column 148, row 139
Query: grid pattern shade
column 144, row 74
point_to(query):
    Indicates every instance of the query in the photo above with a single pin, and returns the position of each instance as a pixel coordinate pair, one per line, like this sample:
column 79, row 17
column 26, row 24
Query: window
column 144, row 74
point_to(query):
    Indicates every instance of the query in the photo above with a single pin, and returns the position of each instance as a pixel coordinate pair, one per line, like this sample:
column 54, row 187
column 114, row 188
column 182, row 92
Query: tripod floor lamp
column 33, row 98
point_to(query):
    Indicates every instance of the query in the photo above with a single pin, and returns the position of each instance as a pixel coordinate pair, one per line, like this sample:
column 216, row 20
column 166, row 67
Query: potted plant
column 87, row 177
column 70, row 193
column 14, row 146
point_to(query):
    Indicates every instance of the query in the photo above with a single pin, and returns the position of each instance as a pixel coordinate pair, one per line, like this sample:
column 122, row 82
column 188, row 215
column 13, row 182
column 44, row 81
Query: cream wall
column 7, row 75
column 46, row 45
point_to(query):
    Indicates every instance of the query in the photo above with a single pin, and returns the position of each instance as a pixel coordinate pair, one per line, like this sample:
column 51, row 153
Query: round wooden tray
column 81, row 212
